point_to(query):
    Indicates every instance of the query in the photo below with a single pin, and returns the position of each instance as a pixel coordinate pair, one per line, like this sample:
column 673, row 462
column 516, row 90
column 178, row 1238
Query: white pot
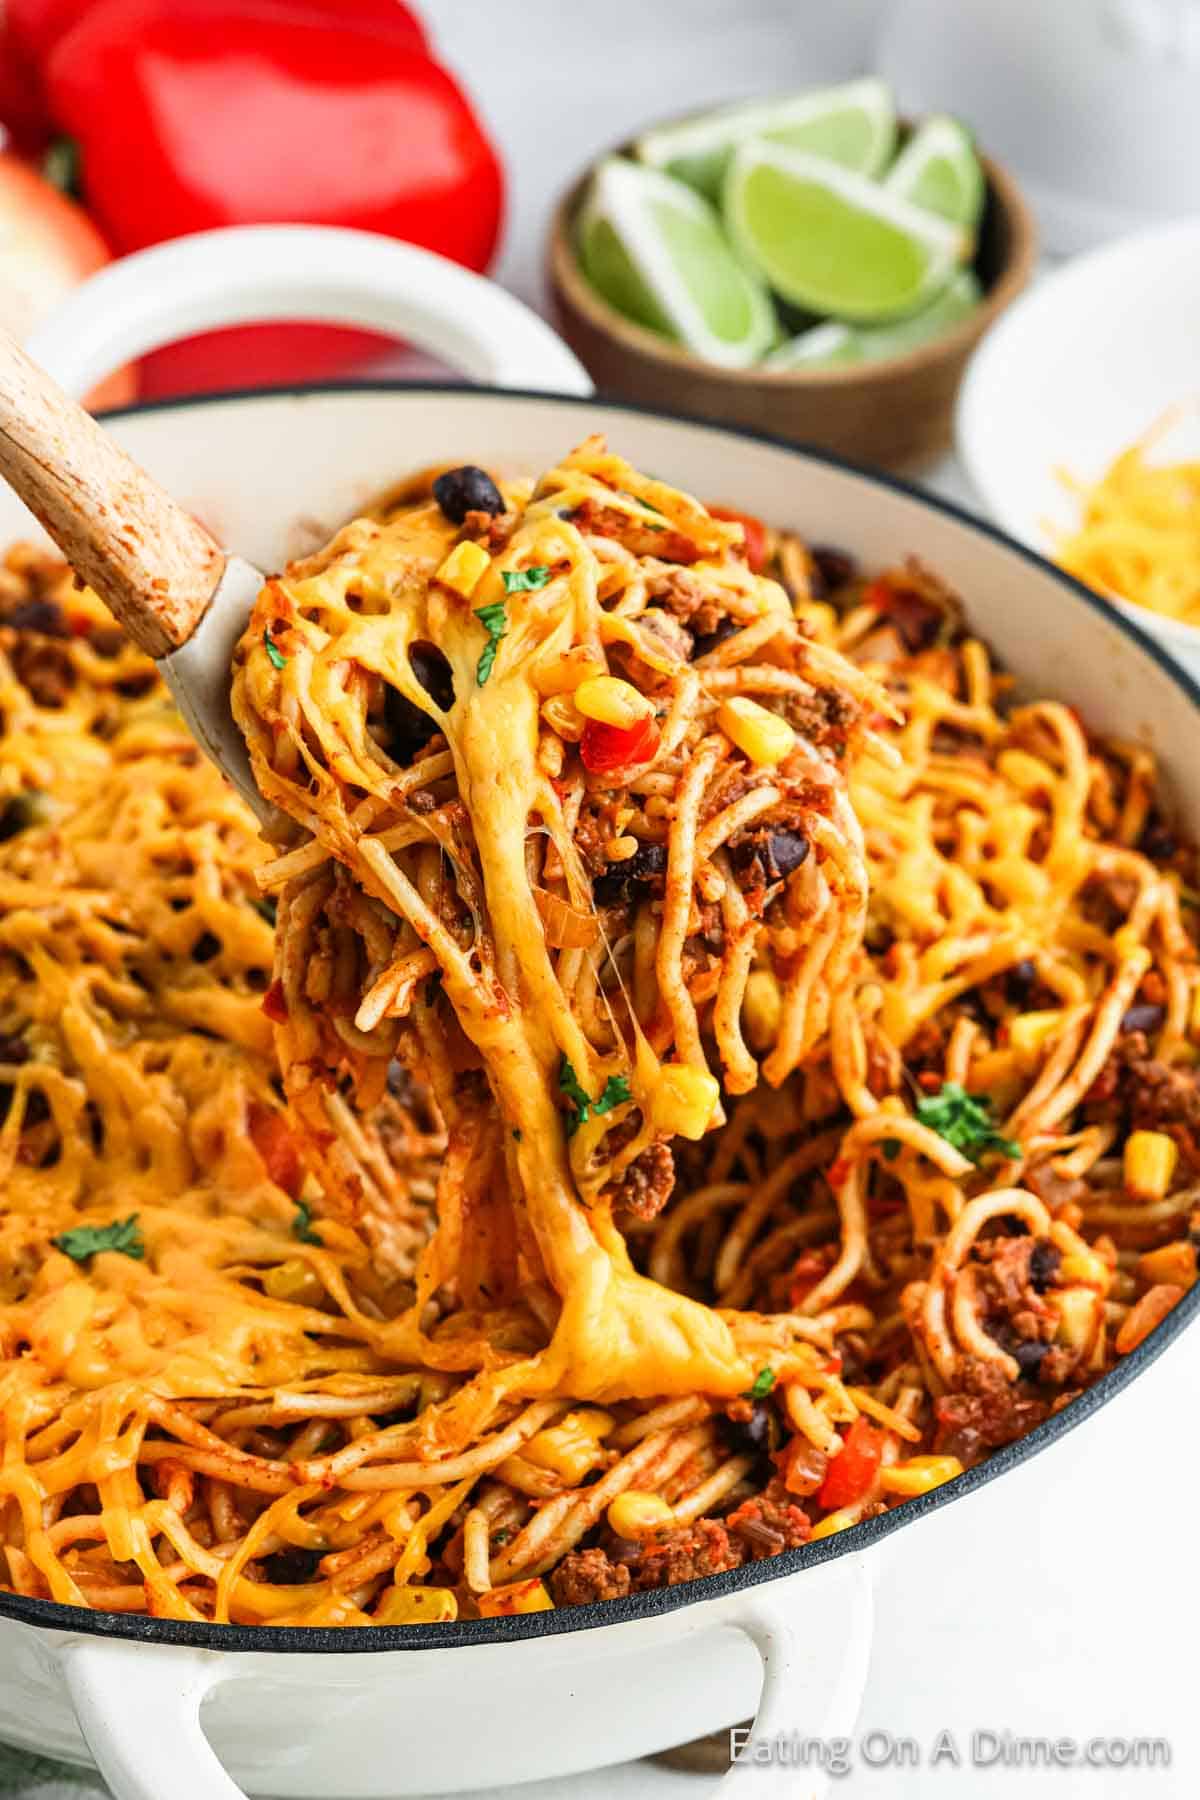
column 365, row 1714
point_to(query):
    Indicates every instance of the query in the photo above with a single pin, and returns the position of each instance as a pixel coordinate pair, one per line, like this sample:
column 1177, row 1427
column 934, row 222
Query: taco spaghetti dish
column 698, row 1063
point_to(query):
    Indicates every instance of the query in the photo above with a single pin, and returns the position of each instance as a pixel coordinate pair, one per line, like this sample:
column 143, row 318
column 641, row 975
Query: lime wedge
column 834, row 346
column 833, row 241
column 939, row 170
column 655, row 250
column 854, row 125
column 827, row 346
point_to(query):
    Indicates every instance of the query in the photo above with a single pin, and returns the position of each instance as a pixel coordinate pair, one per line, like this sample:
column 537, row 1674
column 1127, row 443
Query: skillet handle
column 248, row 274
column 815, row 1649
column 140, row 1715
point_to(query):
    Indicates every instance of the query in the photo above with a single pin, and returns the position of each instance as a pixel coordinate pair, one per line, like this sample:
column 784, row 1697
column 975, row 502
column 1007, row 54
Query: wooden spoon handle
column 153, row 565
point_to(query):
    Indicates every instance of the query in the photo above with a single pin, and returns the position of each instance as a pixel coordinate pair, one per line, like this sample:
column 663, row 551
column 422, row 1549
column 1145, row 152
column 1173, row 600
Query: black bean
column 619, row 884
column 831, row 569
column 786, row 850
column 1028, row 1354
column 1018, row 983
column 770, row 856
column 725, row 629
column 1145, row 1016
column 432, row 669
column 44, row 616
column 411, row 729
column 626, row 1550
column 292, row 1567
column 762, row 1431
column 1044, row 1262
column 460, row 491
column 1158, row 842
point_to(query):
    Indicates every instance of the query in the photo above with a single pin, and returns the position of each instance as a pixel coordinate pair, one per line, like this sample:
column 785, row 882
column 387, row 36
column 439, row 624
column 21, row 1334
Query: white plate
column 1073, row 373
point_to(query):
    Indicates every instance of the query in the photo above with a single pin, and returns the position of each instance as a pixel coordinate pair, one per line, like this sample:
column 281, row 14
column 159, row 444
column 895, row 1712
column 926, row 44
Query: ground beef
column 824, row 717
column 693, row 1551
column 984, row 1413
column 643, row 539
column 587, row 1575
column 1148, row 1095
column 688, row 601
column 769, row 1523
column 645, row 1187
column 43, row 665
column 1015, row 1313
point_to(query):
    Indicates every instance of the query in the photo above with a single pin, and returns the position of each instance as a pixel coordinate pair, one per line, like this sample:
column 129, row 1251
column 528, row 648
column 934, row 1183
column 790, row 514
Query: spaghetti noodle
column 243, row 1377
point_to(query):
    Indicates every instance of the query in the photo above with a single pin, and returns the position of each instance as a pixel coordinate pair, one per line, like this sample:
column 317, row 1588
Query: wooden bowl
column 896, row 414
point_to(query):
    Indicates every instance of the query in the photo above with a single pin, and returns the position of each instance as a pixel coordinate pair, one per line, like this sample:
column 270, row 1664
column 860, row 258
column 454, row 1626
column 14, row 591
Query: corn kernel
column 761, row 735
column 572, row 1448
column 1079, row 1312
column 620, row 849
column 635, row 1515
column 1029, row 1033
column 517, row 1597
column 464, row 568
column 416, row 1606
column 563, row 674
column 1081, row 1267
column 1150, row 1158
column 836, row 1521
column 611, row 701
column 1172, row 1264
column 919, row 1475
column 683, row 1101
column 293, row 1280
column 762, row 1008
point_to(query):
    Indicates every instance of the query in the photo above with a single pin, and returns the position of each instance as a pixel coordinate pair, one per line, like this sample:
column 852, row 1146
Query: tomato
column 607, row 747
column 274, row 1004
column 48, row 245
column 852, row 1473
column 755, row 534
column 273, row 1140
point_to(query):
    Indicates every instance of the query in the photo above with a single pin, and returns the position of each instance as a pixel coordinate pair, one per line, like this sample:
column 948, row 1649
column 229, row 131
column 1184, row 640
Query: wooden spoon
column 181, row 598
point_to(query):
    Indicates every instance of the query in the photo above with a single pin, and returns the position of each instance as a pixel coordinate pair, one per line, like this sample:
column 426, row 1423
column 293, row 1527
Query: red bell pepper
column 753, row 529
column 272, row 1138
column 192, row 114
column 606, row 747
column 852, row 1472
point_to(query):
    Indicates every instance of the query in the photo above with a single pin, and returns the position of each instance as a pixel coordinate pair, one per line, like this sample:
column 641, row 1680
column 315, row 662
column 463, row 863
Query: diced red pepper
column 852, row 1473
column 274, row 1004
column 607, row 747
column 755, row 534
column 273, row 1140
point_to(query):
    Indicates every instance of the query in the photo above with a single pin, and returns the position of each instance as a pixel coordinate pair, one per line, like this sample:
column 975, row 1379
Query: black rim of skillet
column 312, row 1640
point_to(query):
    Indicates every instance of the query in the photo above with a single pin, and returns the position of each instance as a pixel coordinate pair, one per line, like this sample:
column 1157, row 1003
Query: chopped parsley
column 516, row 1137
column 616, row 1093
column 525, row 581
column 278, row 659
column 123, row 1236
column 764, row 1381
column 964, row 1122
column 494, row 619
column 302, row 1225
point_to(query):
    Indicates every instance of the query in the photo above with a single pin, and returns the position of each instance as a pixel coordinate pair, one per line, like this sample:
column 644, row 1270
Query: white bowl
column 1073, row 373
